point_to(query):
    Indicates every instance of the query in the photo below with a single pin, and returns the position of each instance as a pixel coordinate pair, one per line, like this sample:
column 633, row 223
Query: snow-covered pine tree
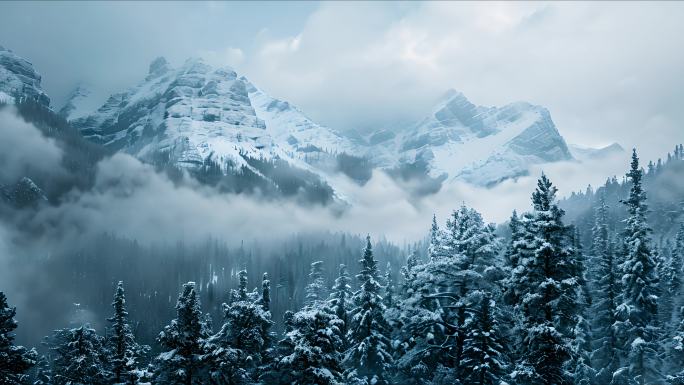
column 432, row 312
column 675, row 353
column 123, row 352
column 473, row 247
column 316, row 290
column 241, row 293
column 583, row 371
column 341, row 300
column 408, row 273
column 266, row 293
column 436, row 245
column 236, row 352
column 314, row 356
column 43, row 372
column 672, row 283
column 369, row 358
column 79, row 357
column 517, row 232
column 606, row 283
column 485, row 361
column 638, row 310
column 15, row 361
column 388, row 298
column 268, row 351
column 183, row 341
column 580, row 365
column 545, row 285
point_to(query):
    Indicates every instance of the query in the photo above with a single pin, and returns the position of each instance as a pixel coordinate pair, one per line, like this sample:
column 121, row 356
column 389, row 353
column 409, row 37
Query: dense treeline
column 543, row 307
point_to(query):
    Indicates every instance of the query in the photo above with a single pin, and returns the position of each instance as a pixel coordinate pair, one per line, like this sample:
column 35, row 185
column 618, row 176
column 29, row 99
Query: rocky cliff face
column 18, row 79
column 197, row 112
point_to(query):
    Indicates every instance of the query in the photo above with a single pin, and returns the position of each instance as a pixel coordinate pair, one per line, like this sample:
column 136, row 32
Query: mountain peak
column 18, row 79
column 451, row 94
column 158, row 67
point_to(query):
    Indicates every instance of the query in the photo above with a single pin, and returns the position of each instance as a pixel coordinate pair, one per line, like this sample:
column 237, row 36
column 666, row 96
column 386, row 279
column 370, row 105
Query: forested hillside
column 598, row 302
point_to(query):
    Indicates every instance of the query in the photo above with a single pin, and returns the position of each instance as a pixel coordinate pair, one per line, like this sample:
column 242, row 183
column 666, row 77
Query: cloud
column 131, row 200
column 23, row 147
column 607, row 73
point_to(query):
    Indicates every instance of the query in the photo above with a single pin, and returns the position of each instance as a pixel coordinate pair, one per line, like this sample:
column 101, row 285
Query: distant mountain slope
column 482, row 145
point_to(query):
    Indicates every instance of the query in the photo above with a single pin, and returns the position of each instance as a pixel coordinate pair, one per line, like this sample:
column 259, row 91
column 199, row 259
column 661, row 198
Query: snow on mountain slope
column 191, row 114
column 482, row 145
column 583, row 153
column 293, row 130
column 18, row 78
column 196, row 113
column 80, row 102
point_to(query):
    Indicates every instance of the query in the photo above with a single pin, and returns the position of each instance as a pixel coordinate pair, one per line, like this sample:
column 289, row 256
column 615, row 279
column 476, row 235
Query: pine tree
column 546, row 288
column 15, row 361
column 316, row 290
column 79, row 357
column 675, row 353
column 388, row 299
column 266, row 293
column 369, row 357
column 123, row 351
column 606, row 349
column 473, row 247
column 43, row 373
column 340, row 301
column 581, row 365
column 183, row 339
column 672, row 281
column 638, row 309
column 582, row 369
column 314, row 356
column 484, row 358
column 268, row 353
column 236, row 353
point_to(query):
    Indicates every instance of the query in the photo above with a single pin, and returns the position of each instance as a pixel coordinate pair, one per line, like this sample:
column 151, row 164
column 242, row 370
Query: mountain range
column 196, row 113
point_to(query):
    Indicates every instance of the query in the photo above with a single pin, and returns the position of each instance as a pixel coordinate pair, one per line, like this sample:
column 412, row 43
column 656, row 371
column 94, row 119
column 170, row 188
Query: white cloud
column 603, row 70
column 23, row 147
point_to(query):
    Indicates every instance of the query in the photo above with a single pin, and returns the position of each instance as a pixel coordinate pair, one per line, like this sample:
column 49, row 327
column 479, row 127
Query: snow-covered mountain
column 19, row 79
column 80, row 102
column 586, row 154
column 195, row 113
column 480, row 145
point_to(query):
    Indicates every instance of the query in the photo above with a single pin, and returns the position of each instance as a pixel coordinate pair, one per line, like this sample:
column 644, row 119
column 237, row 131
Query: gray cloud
column 23, row 147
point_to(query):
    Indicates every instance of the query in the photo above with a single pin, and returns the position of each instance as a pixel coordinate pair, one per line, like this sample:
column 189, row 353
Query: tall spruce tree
column 316, row 289
column 388, row 298
column 238, row 353
column 15, row 361
column 546, row 288
column 369, row 358
column 183, row 341
column 638, row 310
column 79, row 357
column 485, row 361
column 314, row 355
column 671, row 299
column 675, row 352
column 341, row 300
column 122, row 349
column 606, row 349
column 473, row 247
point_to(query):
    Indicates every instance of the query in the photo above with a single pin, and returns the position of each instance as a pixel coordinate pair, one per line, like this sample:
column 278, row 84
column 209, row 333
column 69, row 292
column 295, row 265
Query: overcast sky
column 607, row 72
